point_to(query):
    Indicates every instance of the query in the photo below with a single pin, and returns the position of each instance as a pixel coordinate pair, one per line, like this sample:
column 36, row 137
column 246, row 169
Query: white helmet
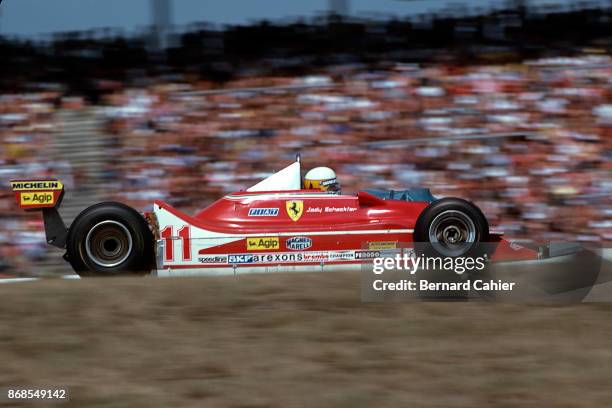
column 322, row 178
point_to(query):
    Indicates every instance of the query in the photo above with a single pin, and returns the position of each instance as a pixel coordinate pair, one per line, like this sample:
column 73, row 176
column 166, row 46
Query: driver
column 322, row 178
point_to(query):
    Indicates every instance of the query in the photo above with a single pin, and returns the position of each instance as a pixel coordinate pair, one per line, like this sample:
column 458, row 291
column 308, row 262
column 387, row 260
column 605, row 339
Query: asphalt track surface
column 295, row 340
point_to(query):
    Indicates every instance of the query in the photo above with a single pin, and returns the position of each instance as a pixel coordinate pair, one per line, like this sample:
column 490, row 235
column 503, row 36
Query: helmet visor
column 330, row 185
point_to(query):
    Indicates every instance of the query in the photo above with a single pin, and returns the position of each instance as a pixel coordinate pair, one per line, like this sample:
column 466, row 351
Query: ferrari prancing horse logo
column 294, row 209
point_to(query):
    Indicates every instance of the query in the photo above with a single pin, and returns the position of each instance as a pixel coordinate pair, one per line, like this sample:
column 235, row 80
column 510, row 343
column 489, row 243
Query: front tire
column 451, row 227
column 110, row 239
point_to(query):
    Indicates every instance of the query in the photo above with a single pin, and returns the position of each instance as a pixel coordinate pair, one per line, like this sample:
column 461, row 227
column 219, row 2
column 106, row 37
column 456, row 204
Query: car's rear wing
column 43, row 195
column 38, row 194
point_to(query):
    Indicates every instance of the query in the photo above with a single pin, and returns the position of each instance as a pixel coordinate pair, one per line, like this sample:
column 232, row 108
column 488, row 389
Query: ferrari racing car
column 280, row 224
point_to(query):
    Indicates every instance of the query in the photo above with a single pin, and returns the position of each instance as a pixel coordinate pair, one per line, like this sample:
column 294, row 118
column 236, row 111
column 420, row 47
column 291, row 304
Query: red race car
column 276, row 225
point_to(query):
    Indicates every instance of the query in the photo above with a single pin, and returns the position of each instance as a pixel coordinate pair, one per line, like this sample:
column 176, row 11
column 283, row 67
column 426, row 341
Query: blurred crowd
column 529, row 141
column 26, row 133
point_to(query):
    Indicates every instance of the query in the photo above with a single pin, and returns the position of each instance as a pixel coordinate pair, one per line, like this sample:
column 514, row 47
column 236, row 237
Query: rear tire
column 110, row 239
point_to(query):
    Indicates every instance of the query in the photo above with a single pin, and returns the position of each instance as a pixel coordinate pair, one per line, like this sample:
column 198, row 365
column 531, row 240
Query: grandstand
column 116, row 120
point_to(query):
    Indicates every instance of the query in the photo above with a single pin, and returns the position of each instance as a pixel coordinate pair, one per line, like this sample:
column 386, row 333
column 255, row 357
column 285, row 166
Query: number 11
column 184, row 234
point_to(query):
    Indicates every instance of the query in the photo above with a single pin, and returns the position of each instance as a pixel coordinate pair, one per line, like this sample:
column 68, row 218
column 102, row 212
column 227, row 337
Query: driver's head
column 322, row 178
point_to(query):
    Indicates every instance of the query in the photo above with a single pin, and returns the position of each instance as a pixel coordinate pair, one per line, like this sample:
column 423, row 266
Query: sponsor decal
column 41, row 198
column 386, row 253
column 263, row 212
column 330, row 210
column 294, row 209
column 382, row 245
column 213, row 259
column 240, row 258
column 316, row 257
column 342, row 256
column 36, row 185
column 278, row 258
column 329, row 256
column 367, row 254
column 329, row 182
column 257, row 244
column 298, row 243
column 291, row 257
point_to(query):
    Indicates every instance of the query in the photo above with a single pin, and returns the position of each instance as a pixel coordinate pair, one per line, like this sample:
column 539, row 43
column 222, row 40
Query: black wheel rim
column 108, row 244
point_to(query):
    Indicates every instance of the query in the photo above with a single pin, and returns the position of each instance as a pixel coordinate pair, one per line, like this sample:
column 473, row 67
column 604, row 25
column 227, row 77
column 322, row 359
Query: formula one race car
column 275, row 225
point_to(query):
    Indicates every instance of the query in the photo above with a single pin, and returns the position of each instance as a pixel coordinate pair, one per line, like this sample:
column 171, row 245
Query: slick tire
column 110, row 239
column 451, row 227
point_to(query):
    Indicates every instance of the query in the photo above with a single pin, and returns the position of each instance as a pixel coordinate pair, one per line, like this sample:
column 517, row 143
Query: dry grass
column 293, row 340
